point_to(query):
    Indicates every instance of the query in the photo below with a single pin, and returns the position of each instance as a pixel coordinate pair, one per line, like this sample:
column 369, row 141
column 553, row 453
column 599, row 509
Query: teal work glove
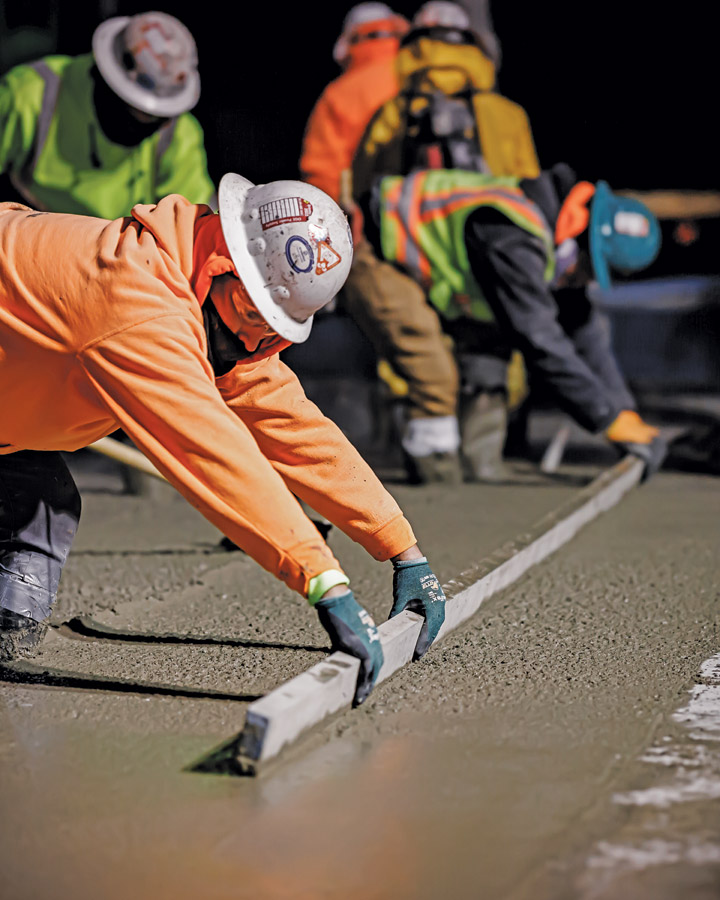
column 352, row 630
column 417, row 589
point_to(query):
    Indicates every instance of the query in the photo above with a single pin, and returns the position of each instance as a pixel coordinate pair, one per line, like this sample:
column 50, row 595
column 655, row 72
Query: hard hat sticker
column 280, row 212
column 299, row 254
column 317, row 232
column 327, row 258
column 632, row 223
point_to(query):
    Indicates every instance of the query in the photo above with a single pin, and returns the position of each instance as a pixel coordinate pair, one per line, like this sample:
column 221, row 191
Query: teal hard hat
column 623, row 234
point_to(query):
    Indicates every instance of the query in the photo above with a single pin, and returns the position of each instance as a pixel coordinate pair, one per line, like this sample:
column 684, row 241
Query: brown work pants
column 394, row 313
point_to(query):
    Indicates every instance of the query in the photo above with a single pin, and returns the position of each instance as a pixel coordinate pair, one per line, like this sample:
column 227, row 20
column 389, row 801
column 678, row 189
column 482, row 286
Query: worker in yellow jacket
column 447, row 113
column 167, row 323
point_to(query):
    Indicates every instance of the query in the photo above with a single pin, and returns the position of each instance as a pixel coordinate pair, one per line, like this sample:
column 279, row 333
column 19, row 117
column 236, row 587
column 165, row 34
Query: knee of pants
column 58, row 506
column 483, row 373
column 39, row 515
column 64, row 495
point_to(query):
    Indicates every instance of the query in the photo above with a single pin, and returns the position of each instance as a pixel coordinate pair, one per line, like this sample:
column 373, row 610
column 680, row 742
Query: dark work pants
column 39, row 515
column 564, row 339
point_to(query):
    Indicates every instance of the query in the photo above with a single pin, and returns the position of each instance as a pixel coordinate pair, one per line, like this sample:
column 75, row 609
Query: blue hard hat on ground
column 623, row 234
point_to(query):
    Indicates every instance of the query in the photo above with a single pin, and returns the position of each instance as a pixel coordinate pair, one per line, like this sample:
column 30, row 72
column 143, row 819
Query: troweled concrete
column 486, row 770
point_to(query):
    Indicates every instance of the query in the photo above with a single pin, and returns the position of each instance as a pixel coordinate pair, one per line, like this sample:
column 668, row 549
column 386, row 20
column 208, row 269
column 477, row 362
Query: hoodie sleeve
column 326, row 150
column 154, row 380
column 21, row 93
column 315, row 459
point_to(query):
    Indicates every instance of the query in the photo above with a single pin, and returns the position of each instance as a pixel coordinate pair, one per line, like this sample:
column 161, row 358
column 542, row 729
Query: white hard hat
column 291, row 246
column 150, row 61
column 362, row 14
column 439, row 13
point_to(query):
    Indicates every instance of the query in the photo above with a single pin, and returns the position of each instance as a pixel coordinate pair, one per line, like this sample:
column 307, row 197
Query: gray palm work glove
column 352, row 630
column 416, row 588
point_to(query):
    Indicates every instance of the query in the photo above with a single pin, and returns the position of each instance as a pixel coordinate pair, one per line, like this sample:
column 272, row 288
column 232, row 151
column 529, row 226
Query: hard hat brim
column 232, row 194
column 599, row 219
column 103, row 48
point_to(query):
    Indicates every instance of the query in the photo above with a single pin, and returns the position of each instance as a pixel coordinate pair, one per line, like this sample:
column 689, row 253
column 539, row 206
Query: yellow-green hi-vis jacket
column 59, row 160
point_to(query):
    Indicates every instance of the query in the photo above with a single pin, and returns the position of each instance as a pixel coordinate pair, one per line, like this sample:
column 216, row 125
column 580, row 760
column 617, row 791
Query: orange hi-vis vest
column 422, row 229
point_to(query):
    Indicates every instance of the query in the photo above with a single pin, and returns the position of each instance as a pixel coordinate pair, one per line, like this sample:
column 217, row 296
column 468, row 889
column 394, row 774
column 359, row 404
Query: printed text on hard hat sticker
column 299, row 254
column 327, row 258
column 632, row 223
column 280, row 212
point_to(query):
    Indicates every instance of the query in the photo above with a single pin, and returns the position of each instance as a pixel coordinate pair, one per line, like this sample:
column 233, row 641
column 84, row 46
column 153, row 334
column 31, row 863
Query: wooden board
column 129, row 456
column 679, row 204
column 284, row 715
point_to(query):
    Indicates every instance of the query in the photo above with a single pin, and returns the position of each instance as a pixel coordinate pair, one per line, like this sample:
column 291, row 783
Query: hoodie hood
column 233, row 303
column 432, row 65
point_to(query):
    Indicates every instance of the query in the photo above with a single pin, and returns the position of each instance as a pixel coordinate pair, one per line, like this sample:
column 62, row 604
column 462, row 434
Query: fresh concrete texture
column 282, row 716
column 486, row 770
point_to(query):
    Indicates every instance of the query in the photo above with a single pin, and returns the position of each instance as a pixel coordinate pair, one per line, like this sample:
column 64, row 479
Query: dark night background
column 623, row 91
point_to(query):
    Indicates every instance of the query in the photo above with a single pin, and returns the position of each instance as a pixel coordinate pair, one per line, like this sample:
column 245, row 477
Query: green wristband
column 323, row 582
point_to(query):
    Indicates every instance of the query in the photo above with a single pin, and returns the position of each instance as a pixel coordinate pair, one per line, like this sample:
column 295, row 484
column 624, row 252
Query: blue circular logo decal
column 299, row 254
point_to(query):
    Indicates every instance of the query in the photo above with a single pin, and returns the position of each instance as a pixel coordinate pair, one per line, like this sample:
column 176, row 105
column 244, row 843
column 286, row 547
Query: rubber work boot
column 483, row 424
column 435, row 468
column 628, row 433
column 20, row 636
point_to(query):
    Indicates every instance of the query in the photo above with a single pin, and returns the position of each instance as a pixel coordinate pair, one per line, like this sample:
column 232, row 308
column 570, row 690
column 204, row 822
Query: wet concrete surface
column 506, row 764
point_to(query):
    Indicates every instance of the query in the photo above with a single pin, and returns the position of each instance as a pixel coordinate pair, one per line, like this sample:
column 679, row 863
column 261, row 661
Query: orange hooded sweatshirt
column 344, row 109
column 101, row 328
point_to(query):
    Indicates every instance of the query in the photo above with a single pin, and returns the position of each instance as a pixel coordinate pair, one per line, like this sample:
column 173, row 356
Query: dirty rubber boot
column 435, row 468
column 20, row 636
column 483, row 424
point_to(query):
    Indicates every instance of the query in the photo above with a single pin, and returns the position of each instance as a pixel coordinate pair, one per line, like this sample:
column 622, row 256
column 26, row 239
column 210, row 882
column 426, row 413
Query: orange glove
column 629, row 428
column 630, row 434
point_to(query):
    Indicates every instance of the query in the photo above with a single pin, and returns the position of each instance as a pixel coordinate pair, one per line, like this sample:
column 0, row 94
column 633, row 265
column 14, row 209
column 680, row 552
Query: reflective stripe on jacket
column 422, row 228
column 58, row 159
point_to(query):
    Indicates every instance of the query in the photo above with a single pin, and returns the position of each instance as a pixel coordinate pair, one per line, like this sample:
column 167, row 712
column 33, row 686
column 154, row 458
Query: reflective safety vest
column 58, row 159
column 422, row 228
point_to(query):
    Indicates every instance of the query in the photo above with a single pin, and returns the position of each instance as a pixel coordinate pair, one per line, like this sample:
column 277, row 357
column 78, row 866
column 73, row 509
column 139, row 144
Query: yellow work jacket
column 425, row 66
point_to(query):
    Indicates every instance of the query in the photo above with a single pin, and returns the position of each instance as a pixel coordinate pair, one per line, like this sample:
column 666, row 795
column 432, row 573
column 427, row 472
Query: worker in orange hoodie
column 366, row 51
column 167, row 323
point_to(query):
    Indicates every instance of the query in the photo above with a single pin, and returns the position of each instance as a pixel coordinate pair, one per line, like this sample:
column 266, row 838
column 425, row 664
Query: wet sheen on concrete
column 490, row 769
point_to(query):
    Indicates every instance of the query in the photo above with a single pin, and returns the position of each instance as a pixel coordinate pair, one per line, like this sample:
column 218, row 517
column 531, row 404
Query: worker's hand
column 628, row 433
column 352, row 630
column 416, row 588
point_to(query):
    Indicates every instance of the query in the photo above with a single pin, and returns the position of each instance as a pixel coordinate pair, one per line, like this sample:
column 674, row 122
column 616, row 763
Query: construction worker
column 446, row 114
column 98, row 133
column 168, row 323
column 484, row 250
column 366, row 51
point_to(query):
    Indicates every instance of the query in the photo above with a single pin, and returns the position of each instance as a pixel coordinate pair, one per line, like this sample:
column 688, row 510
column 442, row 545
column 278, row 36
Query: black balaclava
column 115, row 118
